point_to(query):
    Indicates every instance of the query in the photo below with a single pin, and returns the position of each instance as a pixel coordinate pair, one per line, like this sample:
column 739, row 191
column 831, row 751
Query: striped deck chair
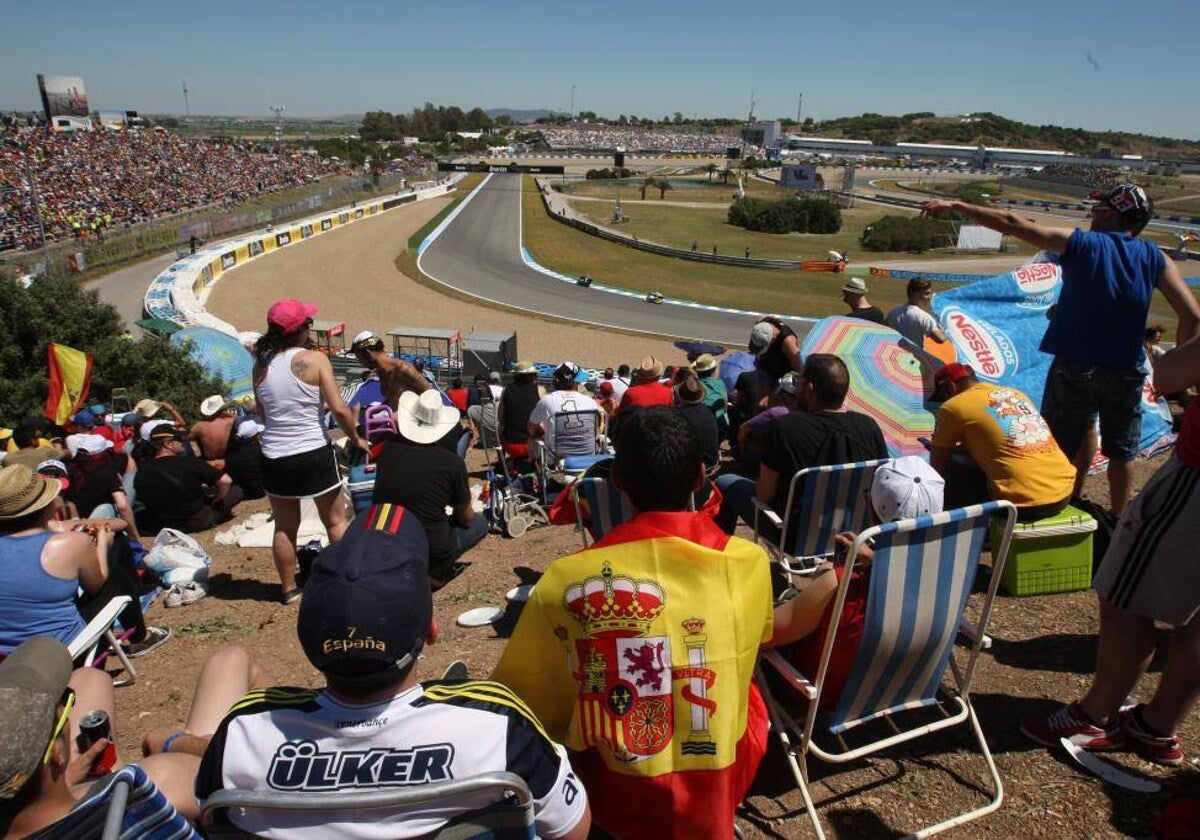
column 129, row 807
column 507, row 812
column 921, row 576
column 822, row 502
column 599, row 507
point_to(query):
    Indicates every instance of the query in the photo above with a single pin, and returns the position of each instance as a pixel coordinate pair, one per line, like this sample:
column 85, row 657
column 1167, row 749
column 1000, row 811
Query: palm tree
column 647, row 183
column 711, row 169
column 725, row 174
column 663, row 186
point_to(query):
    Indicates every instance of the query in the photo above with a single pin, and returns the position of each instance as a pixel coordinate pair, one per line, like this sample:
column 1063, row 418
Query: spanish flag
column 70, row 377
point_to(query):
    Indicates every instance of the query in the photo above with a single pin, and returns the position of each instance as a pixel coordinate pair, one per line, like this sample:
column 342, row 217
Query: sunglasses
column 68, row 703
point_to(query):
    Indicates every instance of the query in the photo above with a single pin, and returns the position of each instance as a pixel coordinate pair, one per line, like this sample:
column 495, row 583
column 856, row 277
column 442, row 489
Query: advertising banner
column 997, row 324
column 798, row 176
column 62, row 96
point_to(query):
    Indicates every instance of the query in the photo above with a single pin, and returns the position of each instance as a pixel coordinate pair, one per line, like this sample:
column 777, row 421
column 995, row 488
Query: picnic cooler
column 1050, row 555
column 361, row 483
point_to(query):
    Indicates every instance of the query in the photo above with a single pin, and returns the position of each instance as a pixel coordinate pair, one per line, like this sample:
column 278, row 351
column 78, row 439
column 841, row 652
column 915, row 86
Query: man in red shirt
column 1149, row 573
column 646, row 390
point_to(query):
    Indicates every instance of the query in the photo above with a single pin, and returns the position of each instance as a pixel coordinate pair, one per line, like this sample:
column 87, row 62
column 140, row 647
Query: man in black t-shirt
column 820, row 434
column 854, row 295
column 187, row 494
column 415, row 471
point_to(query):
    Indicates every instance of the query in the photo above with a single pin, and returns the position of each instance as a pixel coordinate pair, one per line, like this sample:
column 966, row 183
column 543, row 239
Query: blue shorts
column 1076, row 392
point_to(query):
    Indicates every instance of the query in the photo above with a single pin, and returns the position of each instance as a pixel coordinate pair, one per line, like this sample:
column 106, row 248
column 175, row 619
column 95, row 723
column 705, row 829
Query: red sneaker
column 1071, row 723
column 1157, row 748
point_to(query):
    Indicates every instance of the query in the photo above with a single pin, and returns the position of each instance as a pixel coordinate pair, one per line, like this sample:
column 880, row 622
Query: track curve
column 479, row 254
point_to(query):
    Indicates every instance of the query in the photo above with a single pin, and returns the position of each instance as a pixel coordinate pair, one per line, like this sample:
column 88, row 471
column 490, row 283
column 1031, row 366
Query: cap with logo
column 367, row 603
column 290, row 314
column 366, row 340
column 1129, row 200
column 565, row 373
column 905, row 488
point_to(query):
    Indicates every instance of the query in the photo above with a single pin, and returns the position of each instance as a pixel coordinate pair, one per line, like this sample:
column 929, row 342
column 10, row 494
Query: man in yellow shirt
column 1003, row 433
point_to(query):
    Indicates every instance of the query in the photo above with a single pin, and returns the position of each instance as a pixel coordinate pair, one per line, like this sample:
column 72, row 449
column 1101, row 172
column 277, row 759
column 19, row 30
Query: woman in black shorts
column 291, row 384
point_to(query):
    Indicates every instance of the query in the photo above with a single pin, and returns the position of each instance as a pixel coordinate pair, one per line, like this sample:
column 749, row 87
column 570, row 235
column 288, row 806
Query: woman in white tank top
column 291, row 385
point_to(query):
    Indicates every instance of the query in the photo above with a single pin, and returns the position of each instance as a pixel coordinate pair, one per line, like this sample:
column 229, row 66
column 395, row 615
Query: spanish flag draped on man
column 638, row 653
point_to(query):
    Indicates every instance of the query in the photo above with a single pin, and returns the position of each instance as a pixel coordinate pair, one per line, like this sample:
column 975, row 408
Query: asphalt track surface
column 479, row 254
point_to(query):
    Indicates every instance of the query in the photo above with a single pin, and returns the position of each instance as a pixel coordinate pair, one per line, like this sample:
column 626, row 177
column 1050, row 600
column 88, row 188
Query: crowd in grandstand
column 94, row 181
column 1095, row 177
column 636, row 139
column 625, row 695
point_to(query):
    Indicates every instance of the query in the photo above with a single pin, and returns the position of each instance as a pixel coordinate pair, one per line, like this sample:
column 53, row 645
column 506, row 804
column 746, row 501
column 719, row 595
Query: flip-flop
column 519, row 594
column 292, row 595
column 480, row 617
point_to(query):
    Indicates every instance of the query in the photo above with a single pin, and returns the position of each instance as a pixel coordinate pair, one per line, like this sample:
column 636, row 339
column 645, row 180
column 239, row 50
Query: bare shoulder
column 308, row 365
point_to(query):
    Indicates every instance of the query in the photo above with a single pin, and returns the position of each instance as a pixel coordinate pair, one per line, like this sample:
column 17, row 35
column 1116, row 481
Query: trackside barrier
column 175, row 294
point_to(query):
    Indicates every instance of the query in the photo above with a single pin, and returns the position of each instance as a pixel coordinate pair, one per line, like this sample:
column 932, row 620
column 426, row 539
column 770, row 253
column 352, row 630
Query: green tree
column 711, row 169
column 56, row 310
column 663, row 185
column 647, row 183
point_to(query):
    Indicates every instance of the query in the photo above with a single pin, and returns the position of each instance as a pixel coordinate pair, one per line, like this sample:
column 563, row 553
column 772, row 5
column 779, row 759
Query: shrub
column 906, row 233
column 806, row 214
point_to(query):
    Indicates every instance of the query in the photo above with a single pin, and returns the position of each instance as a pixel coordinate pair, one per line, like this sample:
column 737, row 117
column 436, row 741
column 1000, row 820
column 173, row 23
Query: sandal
column 292, row 595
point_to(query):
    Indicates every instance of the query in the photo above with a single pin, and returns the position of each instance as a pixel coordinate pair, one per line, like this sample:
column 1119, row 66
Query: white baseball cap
column 151, row 425
column 905, row 488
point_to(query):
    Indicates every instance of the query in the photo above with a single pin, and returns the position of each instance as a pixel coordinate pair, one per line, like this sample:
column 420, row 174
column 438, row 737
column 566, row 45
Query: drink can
column 95, row 726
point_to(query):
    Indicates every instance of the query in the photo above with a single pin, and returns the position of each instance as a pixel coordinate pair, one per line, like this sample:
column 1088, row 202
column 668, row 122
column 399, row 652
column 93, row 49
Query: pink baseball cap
column 290, row 314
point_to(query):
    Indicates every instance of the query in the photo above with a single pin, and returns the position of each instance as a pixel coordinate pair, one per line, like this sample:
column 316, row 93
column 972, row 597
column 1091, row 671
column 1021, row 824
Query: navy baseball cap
column 84, row 418
column 367, row 603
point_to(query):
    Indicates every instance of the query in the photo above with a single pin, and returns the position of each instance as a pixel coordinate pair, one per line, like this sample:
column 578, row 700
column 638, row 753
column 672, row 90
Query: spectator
column 372, row 586
column 483, row 414
column 776, row 349
column 912, row 320
column 495, row 384
column 243, row 459
column 903, row 488
column 1012, row 454
column 646, row 389
column 577, row 649
column 179, row 492
column 95, row 485
column 426, row 478
column 291, row 384
column 516, row 405
column 569, row 421
column 395, row 375
column 149, row 409
column 41, row 568
column 43, row 774
column 1148, row 574
column 1097, row 329
column 753, row 432
column 716, row 395
column 823, row 432
column 85, row 422
column 689, row 398
column 619, row 381
column 458, row 394
column 605, row 399
column 854, row 295
column 214, row 431
column 29, row 449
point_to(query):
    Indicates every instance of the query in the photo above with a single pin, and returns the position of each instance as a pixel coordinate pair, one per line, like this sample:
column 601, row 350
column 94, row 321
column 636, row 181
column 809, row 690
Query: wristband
column 171, row 739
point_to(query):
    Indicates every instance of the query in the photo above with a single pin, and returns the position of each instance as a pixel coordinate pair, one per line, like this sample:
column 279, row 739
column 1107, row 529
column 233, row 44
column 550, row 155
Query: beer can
column 95, row 726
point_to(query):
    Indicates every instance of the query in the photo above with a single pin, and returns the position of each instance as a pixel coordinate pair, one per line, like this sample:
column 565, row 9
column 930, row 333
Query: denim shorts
column 1076, row 392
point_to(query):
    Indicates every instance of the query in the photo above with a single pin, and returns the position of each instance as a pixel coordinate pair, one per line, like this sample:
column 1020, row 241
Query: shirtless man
column 212, row 433
column 395, row 375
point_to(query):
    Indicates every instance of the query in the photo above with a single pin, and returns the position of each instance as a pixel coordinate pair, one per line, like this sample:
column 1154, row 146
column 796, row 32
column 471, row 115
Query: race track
column 479, row 254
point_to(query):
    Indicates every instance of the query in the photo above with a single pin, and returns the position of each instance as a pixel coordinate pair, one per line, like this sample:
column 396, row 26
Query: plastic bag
column 178, row 557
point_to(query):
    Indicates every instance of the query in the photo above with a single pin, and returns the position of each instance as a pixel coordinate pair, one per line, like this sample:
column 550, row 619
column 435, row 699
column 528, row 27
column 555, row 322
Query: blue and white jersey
column 298, row 740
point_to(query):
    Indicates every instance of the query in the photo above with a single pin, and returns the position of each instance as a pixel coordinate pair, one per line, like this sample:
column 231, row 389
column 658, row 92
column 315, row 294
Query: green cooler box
column 1051, row 555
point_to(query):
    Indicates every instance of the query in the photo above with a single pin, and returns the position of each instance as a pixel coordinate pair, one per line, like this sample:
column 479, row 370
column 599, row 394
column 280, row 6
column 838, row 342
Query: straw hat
column 210, row 407
column 704, row 363
column 147, row 408
column 424, row 418
column 22, row 492
column 649, row 368
column 524, row 367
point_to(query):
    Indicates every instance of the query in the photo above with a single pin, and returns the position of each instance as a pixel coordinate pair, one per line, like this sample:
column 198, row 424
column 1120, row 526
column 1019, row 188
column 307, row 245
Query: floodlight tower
column 278, row 111
column 187, row 108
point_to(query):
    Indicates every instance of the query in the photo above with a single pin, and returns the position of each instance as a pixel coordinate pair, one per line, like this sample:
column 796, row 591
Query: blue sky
column 1023, row 59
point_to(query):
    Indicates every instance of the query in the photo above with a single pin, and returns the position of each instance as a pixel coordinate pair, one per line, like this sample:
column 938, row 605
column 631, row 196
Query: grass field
column 562, row 248
column 630, row 191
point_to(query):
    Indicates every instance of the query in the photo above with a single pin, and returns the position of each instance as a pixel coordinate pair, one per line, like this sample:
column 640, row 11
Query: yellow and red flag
column 70, row 377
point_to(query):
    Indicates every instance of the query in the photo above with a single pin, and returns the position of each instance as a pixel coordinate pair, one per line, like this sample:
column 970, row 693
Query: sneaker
column 182, row 594
column 1161, row 749
column 155, row 636
column 1071, row 723
column 457, row 671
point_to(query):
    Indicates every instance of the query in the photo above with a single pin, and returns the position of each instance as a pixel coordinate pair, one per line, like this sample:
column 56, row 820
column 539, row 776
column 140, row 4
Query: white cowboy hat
column 211, row 406
column 424, row 418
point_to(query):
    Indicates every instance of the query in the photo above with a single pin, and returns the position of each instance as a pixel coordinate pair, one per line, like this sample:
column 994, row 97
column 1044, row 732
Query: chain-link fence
column 177, row 230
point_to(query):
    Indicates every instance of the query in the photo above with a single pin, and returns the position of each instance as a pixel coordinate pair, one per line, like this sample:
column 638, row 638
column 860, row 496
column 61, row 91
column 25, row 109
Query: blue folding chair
column 506, row 812
column 599, row 507
column 822, row 502
column 129, row 807
column 920, row 579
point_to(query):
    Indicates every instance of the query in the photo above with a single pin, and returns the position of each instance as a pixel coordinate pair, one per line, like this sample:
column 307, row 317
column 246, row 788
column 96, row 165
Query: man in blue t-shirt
column 1095, row 332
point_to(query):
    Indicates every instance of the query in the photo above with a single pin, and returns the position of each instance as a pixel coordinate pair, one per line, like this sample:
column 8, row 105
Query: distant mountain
column 519, row 115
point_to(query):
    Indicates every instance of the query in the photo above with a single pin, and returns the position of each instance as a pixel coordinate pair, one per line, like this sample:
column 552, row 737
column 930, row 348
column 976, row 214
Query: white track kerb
column 528, row 259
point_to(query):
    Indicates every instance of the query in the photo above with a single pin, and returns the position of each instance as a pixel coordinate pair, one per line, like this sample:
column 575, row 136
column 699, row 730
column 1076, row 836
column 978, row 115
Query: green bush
column 906, row 233
column 608, row 174
column 801, row 215
column 56, row 310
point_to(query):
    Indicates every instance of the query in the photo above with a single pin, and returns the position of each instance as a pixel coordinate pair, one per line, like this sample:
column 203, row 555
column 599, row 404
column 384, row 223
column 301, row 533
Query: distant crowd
column 91, row 182
column 633, row 139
